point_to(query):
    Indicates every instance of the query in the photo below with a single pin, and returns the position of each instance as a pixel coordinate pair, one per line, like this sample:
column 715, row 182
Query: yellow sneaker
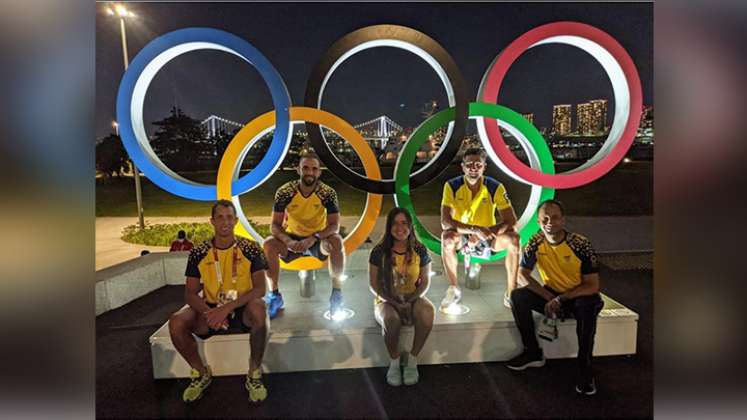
column 253, row 384
column 198, row 385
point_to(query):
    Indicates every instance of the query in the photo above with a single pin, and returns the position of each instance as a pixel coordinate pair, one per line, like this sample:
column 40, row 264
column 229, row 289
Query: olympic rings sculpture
column 540, row 174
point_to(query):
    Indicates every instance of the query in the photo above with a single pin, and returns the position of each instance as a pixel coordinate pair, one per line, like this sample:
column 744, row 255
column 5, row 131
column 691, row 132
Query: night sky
column 293, row 36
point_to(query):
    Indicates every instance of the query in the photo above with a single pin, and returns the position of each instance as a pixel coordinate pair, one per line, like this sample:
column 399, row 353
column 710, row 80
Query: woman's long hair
column 386, row 273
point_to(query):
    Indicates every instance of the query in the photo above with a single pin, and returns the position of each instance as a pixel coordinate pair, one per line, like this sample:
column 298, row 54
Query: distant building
column 561, row 119
column 584, row 118
column 529, row 117
column 599, row 115
column 647, row 117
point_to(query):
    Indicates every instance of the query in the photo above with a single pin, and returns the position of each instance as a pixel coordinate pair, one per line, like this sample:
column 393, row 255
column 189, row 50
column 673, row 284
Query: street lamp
column 116, row 128
column 122, row 12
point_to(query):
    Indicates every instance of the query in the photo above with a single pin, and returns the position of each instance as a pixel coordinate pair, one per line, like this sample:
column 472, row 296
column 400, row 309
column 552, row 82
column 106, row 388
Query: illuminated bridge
column 378, row 130
column 213, row 125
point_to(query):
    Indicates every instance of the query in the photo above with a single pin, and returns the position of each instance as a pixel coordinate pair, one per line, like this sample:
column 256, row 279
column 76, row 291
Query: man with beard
column 305, row 222
column 568, row 267
column 468, row 219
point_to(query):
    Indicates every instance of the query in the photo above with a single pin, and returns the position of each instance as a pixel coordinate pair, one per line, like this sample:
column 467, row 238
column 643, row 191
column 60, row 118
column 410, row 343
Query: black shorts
column 235, row 324
column 313, row 251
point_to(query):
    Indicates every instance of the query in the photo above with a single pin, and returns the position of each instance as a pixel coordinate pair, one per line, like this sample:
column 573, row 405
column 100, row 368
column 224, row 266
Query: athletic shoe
column 453, row 296
column 507, row 300
column 394, row 375
column 274, row 303
column 198, row 385
column 253, row 384
column 335, row 302
column 526, row 360
column 588, row 388
column 410, row 375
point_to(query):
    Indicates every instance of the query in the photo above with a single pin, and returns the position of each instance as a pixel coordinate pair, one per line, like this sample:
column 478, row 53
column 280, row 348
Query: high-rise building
column 598, row 115
column 584, row 116
column 561, row 119
column 529, row 117
column 647, row 117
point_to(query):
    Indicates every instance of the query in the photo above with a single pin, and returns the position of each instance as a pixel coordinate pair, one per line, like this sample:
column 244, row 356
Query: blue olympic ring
column 131, row 97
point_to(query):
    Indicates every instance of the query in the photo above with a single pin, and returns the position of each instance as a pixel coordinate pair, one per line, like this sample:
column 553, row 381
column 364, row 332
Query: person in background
column 181, row 243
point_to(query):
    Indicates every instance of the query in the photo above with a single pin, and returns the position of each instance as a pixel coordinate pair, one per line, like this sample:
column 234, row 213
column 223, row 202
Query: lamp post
column 120, row 11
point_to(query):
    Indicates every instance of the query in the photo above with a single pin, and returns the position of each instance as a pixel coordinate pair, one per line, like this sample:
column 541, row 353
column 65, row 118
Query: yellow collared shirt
column 560, row 265
column 305, row 215
column 480, row 209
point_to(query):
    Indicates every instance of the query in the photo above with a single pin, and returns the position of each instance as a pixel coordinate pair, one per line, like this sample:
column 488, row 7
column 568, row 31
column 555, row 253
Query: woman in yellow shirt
column 399, row 267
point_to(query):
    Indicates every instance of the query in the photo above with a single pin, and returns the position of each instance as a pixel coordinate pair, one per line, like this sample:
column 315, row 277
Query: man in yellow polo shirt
column 305, row 222
column 230, row 272
column 568, row 267
column 468, row 219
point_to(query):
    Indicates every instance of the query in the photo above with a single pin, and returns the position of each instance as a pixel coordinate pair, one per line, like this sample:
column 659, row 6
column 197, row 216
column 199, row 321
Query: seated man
column 468, row 220
column 568, row 267
column 230, row 271
column 181, row 243
column 311, row 228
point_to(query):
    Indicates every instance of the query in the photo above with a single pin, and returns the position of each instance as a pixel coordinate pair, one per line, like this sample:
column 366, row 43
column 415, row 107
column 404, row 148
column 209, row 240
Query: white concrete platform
column 302, row 340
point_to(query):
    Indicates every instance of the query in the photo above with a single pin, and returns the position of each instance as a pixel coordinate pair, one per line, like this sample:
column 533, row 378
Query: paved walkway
column 608, row 234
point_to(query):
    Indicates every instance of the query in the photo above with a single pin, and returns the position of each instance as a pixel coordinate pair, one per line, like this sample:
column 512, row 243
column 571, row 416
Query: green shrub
column 164, row 234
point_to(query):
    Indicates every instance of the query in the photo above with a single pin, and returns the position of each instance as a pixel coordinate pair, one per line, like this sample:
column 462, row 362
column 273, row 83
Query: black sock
column 276, row 292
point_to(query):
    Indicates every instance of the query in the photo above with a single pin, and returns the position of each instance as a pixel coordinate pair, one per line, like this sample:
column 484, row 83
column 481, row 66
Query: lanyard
column 402, row 274
column 219, row 273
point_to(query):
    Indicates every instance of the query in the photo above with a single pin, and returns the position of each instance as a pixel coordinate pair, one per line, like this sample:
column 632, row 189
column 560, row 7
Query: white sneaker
column 506, row 300
column 394, row 374
column 453, row 296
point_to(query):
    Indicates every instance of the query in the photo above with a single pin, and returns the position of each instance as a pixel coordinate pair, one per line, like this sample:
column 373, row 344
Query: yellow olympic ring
column 254, row 128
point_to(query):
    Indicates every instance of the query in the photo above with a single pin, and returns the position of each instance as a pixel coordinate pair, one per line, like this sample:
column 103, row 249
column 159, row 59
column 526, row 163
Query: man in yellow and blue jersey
column 569, row 270
column 305, row 222
column 468, row 218
column 230, row 272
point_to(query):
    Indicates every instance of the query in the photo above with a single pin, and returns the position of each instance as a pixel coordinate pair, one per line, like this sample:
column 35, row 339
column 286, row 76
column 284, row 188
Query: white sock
column 394, row 363
column 412, row 361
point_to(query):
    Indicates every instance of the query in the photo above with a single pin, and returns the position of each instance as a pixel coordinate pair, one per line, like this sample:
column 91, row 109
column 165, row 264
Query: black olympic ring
column 404, row 38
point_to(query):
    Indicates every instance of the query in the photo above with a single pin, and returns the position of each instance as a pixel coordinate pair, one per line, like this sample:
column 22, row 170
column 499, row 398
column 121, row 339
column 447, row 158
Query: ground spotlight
column 339, row 315
column 455, row 309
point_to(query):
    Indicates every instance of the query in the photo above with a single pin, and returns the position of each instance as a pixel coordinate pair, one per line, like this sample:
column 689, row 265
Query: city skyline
column 397, row 83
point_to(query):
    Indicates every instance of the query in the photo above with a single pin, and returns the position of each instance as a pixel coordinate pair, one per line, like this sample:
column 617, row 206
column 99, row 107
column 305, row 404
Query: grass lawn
column 626, row 191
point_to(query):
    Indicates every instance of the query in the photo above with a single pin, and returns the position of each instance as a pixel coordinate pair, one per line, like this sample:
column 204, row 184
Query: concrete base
column 302, row 340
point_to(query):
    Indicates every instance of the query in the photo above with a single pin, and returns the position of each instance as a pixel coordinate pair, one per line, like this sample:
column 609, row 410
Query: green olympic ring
column 530, row 139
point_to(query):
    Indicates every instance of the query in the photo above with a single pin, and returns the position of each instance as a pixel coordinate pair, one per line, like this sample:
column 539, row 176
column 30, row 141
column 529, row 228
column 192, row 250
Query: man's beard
column 306, row 181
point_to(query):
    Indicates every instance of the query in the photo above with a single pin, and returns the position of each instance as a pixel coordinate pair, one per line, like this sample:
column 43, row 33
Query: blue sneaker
column 335, row 301
column 274, row 303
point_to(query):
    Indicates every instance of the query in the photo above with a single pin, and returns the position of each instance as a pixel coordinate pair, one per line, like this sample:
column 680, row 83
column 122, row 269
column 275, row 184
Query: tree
column 111, row 157
column 180, row 142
